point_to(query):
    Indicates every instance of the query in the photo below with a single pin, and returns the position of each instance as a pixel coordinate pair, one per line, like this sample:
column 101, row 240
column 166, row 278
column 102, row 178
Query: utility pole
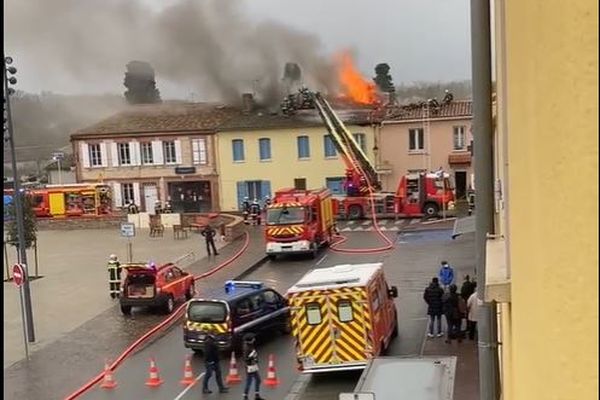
column 18, row 200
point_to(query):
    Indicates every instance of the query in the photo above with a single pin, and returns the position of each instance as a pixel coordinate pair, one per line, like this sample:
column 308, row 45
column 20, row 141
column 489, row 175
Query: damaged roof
column 461, row 108
column 164, row 117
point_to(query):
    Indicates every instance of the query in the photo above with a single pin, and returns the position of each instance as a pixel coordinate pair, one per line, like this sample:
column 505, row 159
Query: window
column 415, row 139
column 199, row 151
column 207, row 312
column 330, row 150
column 345, row 311
column 238, row 150
column 124, row 154
column 95, row 155
column 303, row 147
column 300, row 183
column 459, row 138
column 243, row 307
column 313, row 313
column 127, row 193
column 361, row 139
column 271, row 297
column 264, row 148
column 147, row 155
column 169, row 152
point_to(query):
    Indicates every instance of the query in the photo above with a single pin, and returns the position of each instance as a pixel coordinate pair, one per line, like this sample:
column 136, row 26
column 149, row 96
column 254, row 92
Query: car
column 233, row 312
column 159, row 288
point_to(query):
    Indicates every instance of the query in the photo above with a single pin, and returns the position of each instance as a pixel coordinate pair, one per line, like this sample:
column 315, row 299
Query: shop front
column 190, row 196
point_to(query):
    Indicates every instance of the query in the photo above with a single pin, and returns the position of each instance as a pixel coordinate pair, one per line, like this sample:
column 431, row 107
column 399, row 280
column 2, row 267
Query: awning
column 463, row 225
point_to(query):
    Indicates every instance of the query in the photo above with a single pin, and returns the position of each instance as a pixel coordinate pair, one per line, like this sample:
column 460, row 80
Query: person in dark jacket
column 209, row 234
column 467, row 288
column 433, row 297
column 453, row 314
column 252, row 374
column 213, row 364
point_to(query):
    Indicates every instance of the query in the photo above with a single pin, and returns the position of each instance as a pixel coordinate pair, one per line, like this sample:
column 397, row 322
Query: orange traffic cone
column 271, row 375
column 233, row 376
column 108, row 382
column 188, row 374
column 154, row 379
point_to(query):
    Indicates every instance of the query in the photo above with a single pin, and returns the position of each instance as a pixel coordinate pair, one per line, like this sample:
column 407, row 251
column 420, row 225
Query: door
column 311, row 327
column 348, row 316
column 336, row 185
column 460, row 180
column 150, row 198
column 57, row 203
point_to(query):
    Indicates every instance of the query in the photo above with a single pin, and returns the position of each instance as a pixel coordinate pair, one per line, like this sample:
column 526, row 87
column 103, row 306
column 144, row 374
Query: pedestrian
column 433, row 297
column 114, row 276
column 452, row 313
column 473, row 304
column 209, row 234
column 252, row 370
column 212, row 364
column 446, row 274
column 246, row 208
column 467, row 288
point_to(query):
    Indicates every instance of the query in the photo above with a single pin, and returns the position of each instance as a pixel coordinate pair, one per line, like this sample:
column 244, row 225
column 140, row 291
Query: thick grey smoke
column 207, row 45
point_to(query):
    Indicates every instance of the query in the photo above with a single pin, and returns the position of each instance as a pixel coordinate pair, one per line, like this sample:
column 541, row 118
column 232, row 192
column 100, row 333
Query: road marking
column 382, row 222
column 350, row 222
column 366, row 223
column 180, row 395
column 413, row 221
column 359, row 229
column 398, row 222
column 346, row 230
column 321, row 260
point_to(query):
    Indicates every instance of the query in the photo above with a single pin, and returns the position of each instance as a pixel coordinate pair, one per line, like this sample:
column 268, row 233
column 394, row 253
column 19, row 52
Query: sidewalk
column 466, row 381
column 104, row 334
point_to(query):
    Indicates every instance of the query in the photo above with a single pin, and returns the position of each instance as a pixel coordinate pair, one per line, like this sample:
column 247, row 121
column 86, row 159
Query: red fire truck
column 423, row 194
column 299, row 221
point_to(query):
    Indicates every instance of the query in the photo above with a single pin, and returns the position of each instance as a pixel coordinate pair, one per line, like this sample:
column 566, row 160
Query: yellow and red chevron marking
column 204, row 327
column 287, row 204
column 286, row 230
column 350, row 342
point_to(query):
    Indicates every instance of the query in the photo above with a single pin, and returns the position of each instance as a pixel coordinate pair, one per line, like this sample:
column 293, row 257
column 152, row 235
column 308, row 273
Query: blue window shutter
column 242, row 191
column 265, row 190
column 264, row 148
column 329, row 146
column 238, row 149
column 303, row 147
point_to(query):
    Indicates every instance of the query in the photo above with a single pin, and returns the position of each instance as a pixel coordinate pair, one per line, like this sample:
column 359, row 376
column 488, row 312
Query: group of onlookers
column 442, row 298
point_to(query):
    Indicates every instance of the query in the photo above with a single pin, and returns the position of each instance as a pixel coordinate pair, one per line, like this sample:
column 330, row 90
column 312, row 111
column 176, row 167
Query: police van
column 342, row 317
column 229, row 313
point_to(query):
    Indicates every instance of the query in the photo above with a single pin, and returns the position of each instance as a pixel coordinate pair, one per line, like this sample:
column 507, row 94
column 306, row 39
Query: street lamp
column 7, row 70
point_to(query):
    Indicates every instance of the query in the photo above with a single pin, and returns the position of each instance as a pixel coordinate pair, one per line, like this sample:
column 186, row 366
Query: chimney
column 247, row 103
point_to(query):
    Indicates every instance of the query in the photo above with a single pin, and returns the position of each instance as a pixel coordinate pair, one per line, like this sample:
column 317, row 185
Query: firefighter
column 157, row 207
column 255, row 212
column 114, row 276
column 246, row 209
column 132, row 208
column 267, row 202
column 209, row 234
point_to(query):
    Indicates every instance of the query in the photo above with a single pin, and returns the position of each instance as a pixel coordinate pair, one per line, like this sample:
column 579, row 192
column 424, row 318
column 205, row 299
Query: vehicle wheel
column 431, row 210
column 190, row 292
column 126, row 310
column 169, row 305
column 355, row 212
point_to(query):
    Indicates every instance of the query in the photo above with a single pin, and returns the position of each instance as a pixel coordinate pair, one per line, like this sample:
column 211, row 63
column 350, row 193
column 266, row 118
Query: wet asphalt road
column 410, row 267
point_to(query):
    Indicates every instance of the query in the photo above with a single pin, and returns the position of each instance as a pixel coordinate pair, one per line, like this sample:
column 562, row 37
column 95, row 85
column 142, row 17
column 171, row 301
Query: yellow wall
column 284, row 165
column 551, row 68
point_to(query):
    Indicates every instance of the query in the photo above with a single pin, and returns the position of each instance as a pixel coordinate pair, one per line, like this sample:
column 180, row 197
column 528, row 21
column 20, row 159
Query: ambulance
column 342, row 317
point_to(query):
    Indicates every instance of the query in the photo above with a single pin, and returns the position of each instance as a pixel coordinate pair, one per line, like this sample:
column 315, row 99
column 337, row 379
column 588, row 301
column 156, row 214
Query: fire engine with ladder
column 417, row 195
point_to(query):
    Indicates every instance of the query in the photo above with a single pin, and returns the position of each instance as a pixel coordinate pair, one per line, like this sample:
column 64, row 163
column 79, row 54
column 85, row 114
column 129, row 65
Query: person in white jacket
column 473, row 304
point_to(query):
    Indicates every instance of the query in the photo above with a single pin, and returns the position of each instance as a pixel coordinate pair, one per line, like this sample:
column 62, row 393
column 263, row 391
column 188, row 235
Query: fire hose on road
column 165, row 323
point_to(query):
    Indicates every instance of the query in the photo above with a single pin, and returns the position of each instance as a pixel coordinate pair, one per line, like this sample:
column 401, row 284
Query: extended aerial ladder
column 360, row 172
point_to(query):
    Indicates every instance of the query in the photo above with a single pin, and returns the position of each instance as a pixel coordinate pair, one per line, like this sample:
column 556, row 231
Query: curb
column 256, row 265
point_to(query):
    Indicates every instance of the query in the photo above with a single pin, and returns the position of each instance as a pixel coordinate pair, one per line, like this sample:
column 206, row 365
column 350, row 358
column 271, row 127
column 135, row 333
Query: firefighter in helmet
column 114, row 276
column 246, row 208
column 255, row 211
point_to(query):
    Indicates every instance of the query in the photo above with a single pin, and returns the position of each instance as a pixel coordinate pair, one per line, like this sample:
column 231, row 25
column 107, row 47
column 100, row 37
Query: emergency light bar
column 231, row 285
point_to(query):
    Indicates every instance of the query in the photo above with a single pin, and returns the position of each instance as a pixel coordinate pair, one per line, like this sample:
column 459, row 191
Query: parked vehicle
column 342, row 317
column 230, row 313
column 158, row 288
column 299, row 221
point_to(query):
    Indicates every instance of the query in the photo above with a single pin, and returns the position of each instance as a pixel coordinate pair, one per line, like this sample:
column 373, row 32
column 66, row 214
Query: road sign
column 18, row 274
column 58, row 155
column 127, row 229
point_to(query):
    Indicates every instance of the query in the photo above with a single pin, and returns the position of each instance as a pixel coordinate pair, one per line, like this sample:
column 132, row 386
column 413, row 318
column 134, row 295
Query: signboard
column 18, row 274
column 58, row 155
column 127, row 229
column 185, row 170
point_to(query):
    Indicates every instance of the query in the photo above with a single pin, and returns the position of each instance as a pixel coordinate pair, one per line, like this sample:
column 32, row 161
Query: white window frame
column 199, row 153
column 95, row 155
column 124, row 152
column 146, row 153
column 419, row 147
column 460, row 132
column 170, row 152
column 361, row 140
column 127, row 193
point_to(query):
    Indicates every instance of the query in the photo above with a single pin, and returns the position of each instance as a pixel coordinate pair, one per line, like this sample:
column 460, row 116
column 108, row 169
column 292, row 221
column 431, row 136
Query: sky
column 422, row 40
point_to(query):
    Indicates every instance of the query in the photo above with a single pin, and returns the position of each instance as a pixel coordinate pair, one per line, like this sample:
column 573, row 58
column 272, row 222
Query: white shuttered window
column 199, row 151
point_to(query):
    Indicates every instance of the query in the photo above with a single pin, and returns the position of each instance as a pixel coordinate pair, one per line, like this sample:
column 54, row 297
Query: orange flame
column 353, row 84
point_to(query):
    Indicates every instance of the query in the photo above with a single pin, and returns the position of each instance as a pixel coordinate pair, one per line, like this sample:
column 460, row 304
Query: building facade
column 259, row 154
column 542, row 261
column 154, row 153
column 426, row 139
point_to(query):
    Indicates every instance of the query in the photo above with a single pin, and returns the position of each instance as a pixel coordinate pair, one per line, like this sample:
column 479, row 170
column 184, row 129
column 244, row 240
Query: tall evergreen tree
column 140, row 84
